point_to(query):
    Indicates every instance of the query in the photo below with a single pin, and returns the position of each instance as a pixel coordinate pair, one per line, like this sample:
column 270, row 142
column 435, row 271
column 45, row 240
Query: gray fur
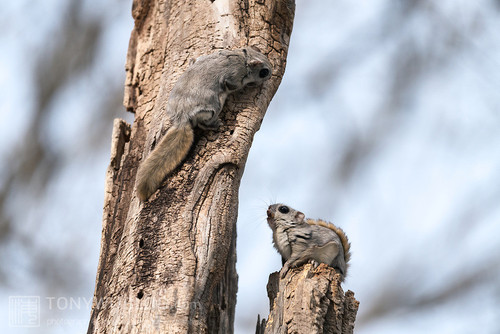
column 298, row 241
column 196, row 100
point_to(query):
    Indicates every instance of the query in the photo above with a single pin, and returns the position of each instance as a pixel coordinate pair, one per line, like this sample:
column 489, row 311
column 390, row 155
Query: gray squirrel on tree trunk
column 196, row 100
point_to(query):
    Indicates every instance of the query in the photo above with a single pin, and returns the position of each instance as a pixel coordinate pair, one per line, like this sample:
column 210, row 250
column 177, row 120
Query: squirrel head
column 282, row 215
column 259, row 67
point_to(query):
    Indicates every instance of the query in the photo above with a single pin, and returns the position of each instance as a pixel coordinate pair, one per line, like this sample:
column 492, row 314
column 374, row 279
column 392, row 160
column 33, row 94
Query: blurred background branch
column 61, row 59
column 387, row 123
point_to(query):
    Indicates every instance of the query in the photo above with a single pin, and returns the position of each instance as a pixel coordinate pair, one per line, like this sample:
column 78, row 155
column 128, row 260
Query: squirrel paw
column 215, row 125
column 314, row 263
column 284, row 270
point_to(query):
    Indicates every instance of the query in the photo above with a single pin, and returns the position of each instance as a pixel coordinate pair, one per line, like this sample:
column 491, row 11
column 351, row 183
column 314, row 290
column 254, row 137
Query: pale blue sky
column 413, row 92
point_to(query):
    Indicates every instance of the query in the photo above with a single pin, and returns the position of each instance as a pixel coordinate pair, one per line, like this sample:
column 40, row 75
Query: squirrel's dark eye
column 263, row 73
column 284, row 209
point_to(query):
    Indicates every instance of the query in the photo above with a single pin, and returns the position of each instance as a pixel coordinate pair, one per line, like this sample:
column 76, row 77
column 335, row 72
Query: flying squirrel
column 196, row 100
column 300, row 240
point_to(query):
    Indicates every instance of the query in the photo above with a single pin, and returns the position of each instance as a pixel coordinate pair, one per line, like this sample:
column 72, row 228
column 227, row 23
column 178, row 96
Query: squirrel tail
column 169, row 153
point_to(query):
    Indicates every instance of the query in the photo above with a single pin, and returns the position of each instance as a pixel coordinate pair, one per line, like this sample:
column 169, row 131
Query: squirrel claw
column 314, row 263
column 284, row 271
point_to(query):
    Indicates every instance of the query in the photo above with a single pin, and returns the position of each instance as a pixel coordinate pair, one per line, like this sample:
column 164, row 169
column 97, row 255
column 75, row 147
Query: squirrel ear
column 255, row 62
column 192, row 61
column 300, row 216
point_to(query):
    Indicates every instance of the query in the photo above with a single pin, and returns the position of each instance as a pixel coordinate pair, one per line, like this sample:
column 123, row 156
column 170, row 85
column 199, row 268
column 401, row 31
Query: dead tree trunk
column 168, row 266
column 309, row 301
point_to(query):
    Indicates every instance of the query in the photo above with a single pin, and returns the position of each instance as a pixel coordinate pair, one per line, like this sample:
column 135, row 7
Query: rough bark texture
column 168, row 266
column 309, row 301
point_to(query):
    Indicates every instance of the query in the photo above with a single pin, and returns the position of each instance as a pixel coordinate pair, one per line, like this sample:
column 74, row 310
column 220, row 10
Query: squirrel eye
column 284, row 209
column 263, row 73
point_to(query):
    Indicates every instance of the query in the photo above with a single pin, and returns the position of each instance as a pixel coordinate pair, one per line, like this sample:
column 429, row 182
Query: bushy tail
column 346, row 245
column 166, row 156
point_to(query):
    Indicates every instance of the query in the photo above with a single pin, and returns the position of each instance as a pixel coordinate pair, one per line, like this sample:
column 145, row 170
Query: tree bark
column 168, row 266
column 309, row 301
